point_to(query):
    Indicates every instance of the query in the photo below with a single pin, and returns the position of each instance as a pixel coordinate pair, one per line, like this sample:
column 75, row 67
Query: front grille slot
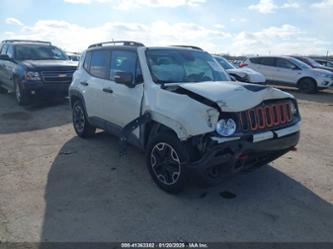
column 272, row 115
column 57, row 76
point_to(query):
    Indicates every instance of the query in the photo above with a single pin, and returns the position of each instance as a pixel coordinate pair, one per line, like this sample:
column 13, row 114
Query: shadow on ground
column 35, row 116
column 94, row 195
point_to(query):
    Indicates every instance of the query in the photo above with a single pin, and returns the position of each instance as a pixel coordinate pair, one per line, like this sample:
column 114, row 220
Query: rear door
column 123, row 104
column 94, row 78
column 267, row 68
column 3, row 64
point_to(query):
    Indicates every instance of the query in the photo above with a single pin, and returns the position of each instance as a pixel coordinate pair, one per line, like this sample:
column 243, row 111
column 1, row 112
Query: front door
column 123, row 104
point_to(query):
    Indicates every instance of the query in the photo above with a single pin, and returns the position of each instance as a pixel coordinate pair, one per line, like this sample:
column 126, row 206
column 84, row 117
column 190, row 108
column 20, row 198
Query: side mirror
column 124, row 78
column 5, row 57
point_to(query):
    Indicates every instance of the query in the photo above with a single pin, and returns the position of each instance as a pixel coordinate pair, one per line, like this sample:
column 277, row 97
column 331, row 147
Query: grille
column 57, row 76
column 266, row 116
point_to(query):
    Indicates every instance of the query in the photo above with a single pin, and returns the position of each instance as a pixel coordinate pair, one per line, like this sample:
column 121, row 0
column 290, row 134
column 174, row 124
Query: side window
column 4, row 49
column 267, row 61
column 124, row 61
column 87, row 60
column 283, row 63
column 99, row 63
column 10, row 51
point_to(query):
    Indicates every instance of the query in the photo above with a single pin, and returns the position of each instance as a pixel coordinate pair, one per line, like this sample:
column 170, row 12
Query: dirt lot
column 55, row 186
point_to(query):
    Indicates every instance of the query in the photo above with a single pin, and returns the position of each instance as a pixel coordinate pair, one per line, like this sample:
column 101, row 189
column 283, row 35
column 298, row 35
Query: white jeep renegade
column 179, row 106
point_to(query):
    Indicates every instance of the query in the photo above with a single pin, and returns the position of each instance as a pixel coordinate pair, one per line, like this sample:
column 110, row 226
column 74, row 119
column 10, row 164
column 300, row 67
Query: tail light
column 243, row 65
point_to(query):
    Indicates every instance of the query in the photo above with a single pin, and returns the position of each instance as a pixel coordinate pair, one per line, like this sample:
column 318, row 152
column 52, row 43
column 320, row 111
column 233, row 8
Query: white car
column 178, row 105
column 241, row 74
column 289, row 71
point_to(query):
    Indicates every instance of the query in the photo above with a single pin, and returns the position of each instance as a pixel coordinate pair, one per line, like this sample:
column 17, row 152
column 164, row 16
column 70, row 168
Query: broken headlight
column 226, row 127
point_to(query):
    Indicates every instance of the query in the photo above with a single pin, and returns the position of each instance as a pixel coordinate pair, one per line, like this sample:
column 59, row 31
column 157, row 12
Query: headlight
column 32, row 76
column 226, row 127
column 293, row 108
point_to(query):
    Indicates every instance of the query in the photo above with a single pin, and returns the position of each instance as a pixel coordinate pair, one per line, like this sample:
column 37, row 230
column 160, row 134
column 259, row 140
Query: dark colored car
column 34, row 68
column 312, row 63
column 325, row 63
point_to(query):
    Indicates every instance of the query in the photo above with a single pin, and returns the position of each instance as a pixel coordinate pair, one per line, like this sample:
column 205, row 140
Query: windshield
column 224, row 63
column 178, row 66
column 314, row 63
column 300, row 64
column 38, row 52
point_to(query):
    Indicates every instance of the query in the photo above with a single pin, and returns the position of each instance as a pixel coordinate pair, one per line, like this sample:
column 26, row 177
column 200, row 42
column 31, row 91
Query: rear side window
column 267, row 61
column 99, row 63
column 4, row 49
column 127, row 62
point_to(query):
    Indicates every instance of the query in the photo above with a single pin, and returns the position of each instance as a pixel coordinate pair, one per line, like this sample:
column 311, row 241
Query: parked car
column 312, row 63
column 33, row 68
column 176, row 105
column 73, row 56
column 325, row 63
column 285, row 70
column 241, row 74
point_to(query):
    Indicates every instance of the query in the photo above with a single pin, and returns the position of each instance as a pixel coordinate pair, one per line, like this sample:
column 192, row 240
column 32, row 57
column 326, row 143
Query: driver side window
column 125, row 62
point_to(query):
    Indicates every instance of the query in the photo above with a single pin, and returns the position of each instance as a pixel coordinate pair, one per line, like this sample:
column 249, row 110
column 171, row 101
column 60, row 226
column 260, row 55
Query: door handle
column 83, row 83
column 107, row 90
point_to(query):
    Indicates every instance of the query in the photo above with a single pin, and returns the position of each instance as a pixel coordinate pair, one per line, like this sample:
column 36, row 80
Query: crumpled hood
column 45, row 64
column 235, row 96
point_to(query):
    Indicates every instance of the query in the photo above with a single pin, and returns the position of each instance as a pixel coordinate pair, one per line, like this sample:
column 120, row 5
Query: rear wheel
column 165, row 157
column 308, row 86
column 81, row 124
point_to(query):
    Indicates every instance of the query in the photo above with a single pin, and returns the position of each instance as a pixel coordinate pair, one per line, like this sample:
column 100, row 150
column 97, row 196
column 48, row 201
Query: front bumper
column 233, row 155
column 44, row 88
column 325, row 82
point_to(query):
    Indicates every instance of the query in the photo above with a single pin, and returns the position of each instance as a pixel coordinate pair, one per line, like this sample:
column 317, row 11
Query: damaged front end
column 263, row 134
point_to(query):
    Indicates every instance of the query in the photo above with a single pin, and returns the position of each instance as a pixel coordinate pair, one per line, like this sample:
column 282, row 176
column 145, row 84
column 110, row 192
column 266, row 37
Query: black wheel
column 80, row 121
column 22, row 96
column 165, row 158
column 308, row 86
column 3, row 90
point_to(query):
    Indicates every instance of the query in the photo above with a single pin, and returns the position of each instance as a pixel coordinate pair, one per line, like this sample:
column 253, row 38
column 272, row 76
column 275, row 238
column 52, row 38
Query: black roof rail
column 32, row 41
column 187, row 46
column 114, row 43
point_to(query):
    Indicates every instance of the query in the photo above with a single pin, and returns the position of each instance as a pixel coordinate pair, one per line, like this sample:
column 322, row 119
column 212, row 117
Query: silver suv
column 285, row 70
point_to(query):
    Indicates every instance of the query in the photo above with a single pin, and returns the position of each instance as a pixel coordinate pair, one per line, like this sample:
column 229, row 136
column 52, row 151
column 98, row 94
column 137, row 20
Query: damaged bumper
column 230, row 155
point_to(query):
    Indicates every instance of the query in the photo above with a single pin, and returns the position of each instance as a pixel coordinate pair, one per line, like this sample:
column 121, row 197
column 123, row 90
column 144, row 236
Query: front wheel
column 22, row 96
column 308, row 86
column 165, row 157
column 81, row 124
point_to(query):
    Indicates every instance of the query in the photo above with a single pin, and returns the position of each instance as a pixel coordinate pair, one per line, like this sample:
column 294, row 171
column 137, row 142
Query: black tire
column 166, row 158
column 3, row 90
column 81, row 124
column 22, row 97
column 307, row 86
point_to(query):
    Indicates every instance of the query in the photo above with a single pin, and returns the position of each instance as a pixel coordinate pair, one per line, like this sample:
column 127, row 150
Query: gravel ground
column 55, row 186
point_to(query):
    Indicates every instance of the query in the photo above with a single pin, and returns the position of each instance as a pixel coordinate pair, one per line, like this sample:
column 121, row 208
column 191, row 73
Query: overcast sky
column 219, row 26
